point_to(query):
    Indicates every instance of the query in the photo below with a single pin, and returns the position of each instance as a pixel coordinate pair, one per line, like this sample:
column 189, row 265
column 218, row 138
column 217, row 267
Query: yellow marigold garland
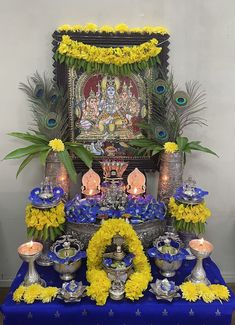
column 117, row 56
column 193, row 292
column 120, row 28
column 99, row 281
column 189, row 217
column 45, row 223
column 34, row 292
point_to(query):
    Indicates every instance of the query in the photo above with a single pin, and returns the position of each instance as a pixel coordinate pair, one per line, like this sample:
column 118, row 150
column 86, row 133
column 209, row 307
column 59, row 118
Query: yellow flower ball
column 57, row 145
column 171, row 147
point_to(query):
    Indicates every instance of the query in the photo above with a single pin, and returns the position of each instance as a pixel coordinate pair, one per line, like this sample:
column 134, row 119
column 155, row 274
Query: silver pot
column 66, row 255
column 167, row 269
column 67, row 271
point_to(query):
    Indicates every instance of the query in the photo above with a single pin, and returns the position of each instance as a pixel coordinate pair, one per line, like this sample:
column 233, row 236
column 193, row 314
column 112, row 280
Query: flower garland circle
column 99, row 281
column 44, row 224
column 189, row 217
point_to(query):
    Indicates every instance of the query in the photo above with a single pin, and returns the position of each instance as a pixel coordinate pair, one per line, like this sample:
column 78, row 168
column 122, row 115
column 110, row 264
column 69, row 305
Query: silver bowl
column 146, row 231
column 67, row 271
column 167, row 269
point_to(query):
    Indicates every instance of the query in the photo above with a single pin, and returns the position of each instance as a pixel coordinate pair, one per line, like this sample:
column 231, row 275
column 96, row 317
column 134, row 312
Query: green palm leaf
column 29, row 137
column 84, row 154
column 21, row 152
column 196, row 146
column 68, row 164
column 43, row 156
column 24, row 163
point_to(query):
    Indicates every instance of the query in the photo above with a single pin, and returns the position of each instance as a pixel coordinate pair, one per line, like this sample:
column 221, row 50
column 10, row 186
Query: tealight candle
column 30, row 248
column 29, row 252
column 201, row 249
column 201, row 245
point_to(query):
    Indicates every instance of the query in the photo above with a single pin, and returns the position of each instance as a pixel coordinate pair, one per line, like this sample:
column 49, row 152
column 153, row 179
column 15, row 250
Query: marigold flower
column 189, row 291
column 220, row 291
column 57, row 145
column 171, row 147
column 121, row 28
column 19, row 293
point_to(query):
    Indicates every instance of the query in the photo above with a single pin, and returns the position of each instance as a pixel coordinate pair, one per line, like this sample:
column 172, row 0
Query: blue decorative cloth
column 146, row 311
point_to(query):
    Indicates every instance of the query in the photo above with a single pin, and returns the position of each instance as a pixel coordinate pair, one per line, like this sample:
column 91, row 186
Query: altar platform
column 146, row 311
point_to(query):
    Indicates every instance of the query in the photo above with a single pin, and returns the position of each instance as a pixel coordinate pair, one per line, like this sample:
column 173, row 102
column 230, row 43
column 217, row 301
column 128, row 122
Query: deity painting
column 107, row 109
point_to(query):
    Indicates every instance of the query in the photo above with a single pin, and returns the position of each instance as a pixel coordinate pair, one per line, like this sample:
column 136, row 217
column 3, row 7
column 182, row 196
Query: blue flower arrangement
column 143, row 208
column 138, row 209
column 197, row 196
column 156, row 253
column 82, row 210
column 67, row 260
column 38, row 200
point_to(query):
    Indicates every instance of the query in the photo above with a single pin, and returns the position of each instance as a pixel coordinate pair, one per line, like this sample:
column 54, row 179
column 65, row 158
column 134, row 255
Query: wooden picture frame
column 107, row 135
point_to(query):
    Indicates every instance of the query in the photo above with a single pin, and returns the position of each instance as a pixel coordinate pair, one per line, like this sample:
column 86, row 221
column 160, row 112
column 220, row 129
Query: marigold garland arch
column 99, row 281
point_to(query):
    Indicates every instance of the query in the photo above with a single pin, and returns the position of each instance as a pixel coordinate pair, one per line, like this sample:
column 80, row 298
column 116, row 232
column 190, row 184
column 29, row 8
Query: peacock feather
column 48, row 105
column 173, row 109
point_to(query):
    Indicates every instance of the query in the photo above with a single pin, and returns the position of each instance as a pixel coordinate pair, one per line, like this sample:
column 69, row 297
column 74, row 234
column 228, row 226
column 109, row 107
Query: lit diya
column 201, row 249
column 29, row 252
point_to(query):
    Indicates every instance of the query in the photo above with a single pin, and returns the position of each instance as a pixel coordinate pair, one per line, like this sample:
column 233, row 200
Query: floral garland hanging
column 99, row 281
column 114, row 61
column 120, row 28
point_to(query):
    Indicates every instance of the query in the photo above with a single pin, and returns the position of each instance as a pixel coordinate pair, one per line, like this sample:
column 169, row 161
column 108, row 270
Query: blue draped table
column 146, row 311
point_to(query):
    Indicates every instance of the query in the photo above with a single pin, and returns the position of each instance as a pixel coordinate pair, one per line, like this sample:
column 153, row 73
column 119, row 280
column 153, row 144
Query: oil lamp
column 201, row 249
column 90, row 183
column 29, row 252
column 136, row 182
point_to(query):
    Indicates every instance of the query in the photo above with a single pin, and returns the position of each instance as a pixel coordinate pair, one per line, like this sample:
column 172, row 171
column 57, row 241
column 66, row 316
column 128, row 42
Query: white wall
column 202, row 48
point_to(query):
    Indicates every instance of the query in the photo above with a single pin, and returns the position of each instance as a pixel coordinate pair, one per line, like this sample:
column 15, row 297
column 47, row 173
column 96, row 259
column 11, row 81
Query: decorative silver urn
column 66, row 255
column 168, row 254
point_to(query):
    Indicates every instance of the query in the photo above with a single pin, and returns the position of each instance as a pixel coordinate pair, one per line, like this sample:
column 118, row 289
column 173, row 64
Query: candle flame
column 31, row 243
column 135, row 190
column 165, row 177
column 201, row 241
column 90, row 192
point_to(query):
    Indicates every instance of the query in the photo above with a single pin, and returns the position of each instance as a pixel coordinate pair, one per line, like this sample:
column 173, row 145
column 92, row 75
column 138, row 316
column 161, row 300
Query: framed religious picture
column 104, row 74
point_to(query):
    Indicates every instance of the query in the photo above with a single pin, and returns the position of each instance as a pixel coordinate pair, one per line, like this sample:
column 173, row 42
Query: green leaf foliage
column 24, row 163
column 195, row 145
column 21, row 152
column 182, row 143
column 66, row 160
column 197, row 228
column 43, row 156
column 84, row 154
column 29, row 137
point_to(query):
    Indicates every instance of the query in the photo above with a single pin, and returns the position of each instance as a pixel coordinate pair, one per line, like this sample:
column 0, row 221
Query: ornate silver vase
column 170, row 175
column 57, row 173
